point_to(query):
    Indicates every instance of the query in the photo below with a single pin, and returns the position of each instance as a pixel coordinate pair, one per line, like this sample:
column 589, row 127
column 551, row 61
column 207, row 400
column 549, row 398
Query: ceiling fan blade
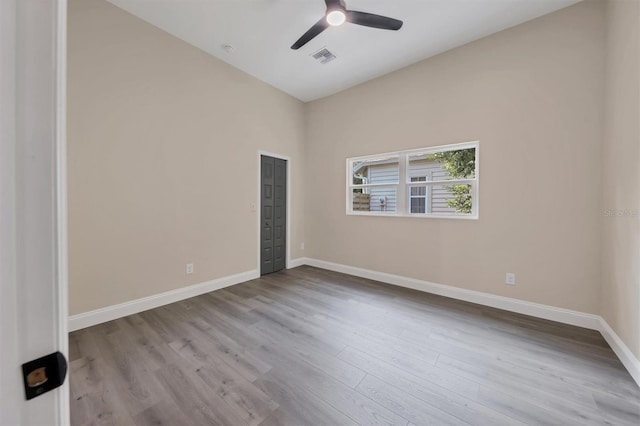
column 317, row 28
column 374, row 21
column 330, row 3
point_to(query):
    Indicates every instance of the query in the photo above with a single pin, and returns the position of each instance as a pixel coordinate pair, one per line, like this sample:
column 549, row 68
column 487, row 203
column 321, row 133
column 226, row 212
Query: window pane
column 418, row 205
column 451, row 199
column 379, row 199
column 445, row 165
column 380, row 170
column 418, row 191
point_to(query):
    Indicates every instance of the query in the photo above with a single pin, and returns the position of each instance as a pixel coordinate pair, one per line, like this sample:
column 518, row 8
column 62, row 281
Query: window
column 375, row 184
column 418, row 195
column 431, row 182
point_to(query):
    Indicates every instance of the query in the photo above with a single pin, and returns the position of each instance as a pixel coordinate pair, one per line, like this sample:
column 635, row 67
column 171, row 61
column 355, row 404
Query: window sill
column 418, row 216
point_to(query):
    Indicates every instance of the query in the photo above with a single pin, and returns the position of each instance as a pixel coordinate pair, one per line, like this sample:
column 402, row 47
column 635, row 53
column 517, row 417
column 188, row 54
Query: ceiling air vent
column 324, row 56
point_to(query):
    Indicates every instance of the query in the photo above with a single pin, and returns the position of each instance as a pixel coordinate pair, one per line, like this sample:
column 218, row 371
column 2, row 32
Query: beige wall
column 621, row 174
column 533, row 96
column 162, row 159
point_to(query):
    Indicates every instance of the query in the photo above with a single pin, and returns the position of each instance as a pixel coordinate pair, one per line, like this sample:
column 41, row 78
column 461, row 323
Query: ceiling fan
column 337, row 14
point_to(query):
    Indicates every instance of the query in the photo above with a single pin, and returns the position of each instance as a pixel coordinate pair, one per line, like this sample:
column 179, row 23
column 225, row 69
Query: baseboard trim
column 565, row 316
column 98, row 316
column 294, row 263
column 628, row 359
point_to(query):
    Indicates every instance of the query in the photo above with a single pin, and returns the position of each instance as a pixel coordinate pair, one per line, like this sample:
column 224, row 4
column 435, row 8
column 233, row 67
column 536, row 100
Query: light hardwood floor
column 313, row 347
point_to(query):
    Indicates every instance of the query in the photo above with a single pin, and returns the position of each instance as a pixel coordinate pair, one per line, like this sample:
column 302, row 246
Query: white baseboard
column 565, row 316
column 552, row 313
column 628, row 359
column 98, row 316
column 294, row 263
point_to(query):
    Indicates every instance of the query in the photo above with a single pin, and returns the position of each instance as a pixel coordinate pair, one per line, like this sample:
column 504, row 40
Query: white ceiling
column 262, row 31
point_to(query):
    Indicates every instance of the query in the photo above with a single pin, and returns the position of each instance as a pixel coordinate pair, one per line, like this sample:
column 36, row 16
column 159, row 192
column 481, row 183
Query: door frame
column 34, row 48
column 64, row 401
column 259, row 205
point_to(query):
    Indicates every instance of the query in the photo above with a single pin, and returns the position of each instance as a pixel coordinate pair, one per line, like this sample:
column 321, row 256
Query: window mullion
column 448, row 182
column 349, row 187
column 371, row 185
column 474, row 198
column 403, row 190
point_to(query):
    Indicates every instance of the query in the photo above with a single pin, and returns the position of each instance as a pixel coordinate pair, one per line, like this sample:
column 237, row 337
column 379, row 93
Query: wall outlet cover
column 510, row 278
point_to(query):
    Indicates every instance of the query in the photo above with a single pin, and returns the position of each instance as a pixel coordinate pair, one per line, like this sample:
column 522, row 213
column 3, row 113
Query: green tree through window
column 459, row 164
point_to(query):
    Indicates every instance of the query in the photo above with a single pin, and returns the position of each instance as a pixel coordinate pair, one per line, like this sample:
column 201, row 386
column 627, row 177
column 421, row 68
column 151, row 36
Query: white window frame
column 427, row 192
column 403, row 191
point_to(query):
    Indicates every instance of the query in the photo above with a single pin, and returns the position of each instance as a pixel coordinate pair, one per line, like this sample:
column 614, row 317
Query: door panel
column 266, row 224
column 280, row 217
column 273, row 199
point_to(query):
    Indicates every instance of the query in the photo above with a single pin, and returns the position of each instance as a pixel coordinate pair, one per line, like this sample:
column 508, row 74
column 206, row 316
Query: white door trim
column 33, row 264
column 64, row 415
column 10, row 399
column 259, row 201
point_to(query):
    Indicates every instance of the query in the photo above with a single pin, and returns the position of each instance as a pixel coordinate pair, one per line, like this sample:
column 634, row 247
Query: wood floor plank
column 86, row 376
column 164, row 413
column 344, row 398
column 200, row 351
column 239, row 314
column 334, row 367
column 395, row 399
column 571, row 407
column 151, row 346
column 276, row 329
column 619, row 410
column 450, row 402
column 127, row 373
column 235, row 301
column 312, row 347
column 210, row 342
column 297, row 406
column 195, row 398
column 92, row 398
column 521, row 409
column 432, row 379
column 556, row 365
column 313, row 354
column 104, row 408
column 249, row 402
column 81, row 345
column 496, row 368
column 241, row 334
column 422, row 367
column 167, row 329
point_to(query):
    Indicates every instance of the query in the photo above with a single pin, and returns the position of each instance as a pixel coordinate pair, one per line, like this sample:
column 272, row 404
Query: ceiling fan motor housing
column 338, row 5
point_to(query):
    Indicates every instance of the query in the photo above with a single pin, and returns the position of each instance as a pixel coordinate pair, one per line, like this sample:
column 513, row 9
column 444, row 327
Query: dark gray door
column 273, row 208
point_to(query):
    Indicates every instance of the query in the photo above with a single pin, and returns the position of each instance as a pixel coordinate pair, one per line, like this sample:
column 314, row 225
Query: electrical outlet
column 510, row 278
column 189, row 268
column 301, row 246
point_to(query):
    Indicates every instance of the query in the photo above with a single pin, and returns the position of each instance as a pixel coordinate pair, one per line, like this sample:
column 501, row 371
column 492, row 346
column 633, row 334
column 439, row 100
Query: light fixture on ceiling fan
column 337, row 14
column 336, row 17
